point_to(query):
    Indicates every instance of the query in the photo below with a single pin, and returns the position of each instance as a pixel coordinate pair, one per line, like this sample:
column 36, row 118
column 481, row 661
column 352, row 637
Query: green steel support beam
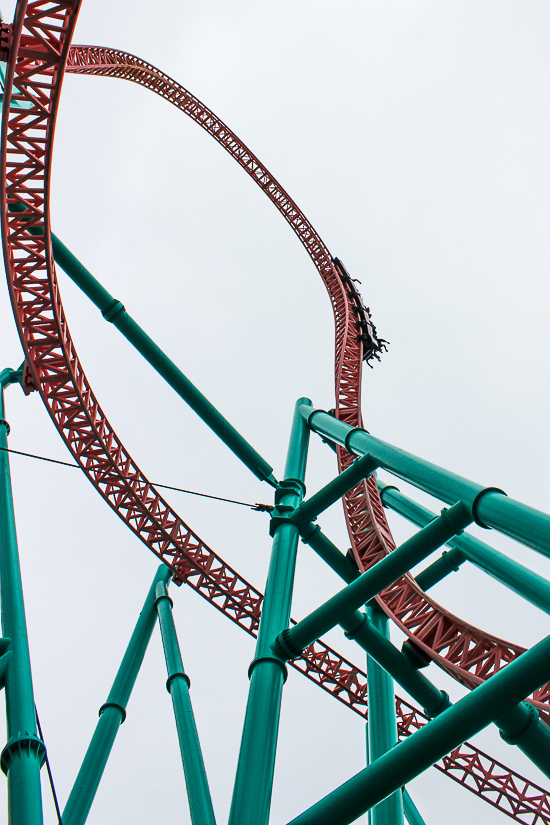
column 425, row 747
column 335, row 489
column 490, row 506
column 511, row 574
column 382, row 727
column 365, row 630
column 196, row 782
column 254, row 779
column 113, row 713
column 292, row 641
column 114, row 312
column 450, row 561
column 412, row 813
column 343, row 566
column 24, row 753
column 357, row 627
column 519, row 726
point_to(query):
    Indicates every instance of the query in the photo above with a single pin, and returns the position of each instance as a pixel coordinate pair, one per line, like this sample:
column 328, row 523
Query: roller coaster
column 507, row 685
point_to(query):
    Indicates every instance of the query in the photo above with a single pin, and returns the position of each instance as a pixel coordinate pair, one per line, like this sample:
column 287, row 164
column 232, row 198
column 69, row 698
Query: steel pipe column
column 413, row 756
column 113, row 712
column 115, row 312
column 382, row 726
column 24, row 753
column 196, row 782
column 490, row 506
column 254, row 779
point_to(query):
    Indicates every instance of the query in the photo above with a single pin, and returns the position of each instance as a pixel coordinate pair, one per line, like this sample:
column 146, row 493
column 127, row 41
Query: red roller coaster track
column 39, row 48
column 468, row 654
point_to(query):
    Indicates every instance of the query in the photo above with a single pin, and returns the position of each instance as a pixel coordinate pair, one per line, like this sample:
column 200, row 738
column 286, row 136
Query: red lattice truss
column 38, row 56
column 467, row 653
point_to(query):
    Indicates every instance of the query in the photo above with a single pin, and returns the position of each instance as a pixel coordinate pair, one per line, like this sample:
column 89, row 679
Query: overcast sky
column 414, row 136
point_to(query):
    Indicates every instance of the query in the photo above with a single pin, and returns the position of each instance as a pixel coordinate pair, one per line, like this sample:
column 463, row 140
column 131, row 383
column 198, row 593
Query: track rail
column 41, row 36
column 465, row 652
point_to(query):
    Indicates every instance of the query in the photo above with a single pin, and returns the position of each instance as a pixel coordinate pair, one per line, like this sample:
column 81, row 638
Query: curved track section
column 465, row 652
column 38, row 51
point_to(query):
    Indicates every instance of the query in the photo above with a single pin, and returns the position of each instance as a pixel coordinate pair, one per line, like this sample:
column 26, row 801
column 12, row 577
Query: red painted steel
column 41, row 37
column 475, row 770
column 465, row 652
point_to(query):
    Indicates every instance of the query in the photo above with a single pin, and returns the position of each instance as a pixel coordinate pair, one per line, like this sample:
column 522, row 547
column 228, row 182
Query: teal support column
column 490, row 506
column 412, row 814
column 510, row 573
column 357, row 627
column 290, row 642
column 334, row 490
column 382, row 727
column 400, row 665
column 196, row 783
column 24, row 752
column 414, row 755
column 254, row 779
column 114, row 312
column 113, row 713
column 343, row 566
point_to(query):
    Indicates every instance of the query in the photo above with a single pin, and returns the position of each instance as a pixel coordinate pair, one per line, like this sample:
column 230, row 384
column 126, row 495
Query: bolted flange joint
column 281, row 514
column 284, row 648
column 22, row 746
column 275, row 659
column 289, row 485
column 116, row 706
column 113, row 311
column 477, row 500
column 4, row 423
column 530, row 717
column 179, row 675
column 458, row 516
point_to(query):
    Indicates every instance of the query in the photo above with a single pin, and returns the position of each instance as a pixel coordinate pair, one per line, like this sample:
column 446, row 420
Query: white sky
column 414, row 136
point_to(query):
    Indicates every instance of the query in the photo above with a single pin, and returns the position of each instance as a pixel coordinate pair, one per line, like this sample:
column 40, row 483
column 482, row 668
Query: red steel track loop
column 41, row 36
column 466, row 653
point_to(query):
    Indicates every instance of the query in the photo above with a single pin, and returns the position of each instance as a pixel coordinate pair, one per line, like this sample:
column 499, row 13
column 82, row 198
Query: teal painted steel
column 412, row 814
column 490, row 507
column 114, row 312
column 335, row 489
column 421, row 750
column 519, row 726
column 505, row 570
column 522, row 726
column 291, row 642
column 24, row 753
column 366, row 632
column 361, row 630
column 196, row 782
column 449, row 562
column 254, row 779
column 382, row 727
column 113, row 712
column 344, row 566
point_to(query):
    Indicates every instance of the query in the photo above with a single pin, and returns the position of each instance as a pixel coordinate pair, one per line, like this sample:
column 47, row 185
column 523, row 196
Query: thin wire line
column 258, row 507
column 50, row 775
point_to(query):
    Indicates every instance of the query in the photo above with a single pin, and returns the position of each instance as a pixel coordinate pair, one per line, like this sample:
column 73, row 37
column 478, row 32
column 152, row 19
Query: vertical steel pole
column 196, row 782
column 382, row 727
column 24, row 754
column 254, row 779
column 113, row 712
column 412, row 814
